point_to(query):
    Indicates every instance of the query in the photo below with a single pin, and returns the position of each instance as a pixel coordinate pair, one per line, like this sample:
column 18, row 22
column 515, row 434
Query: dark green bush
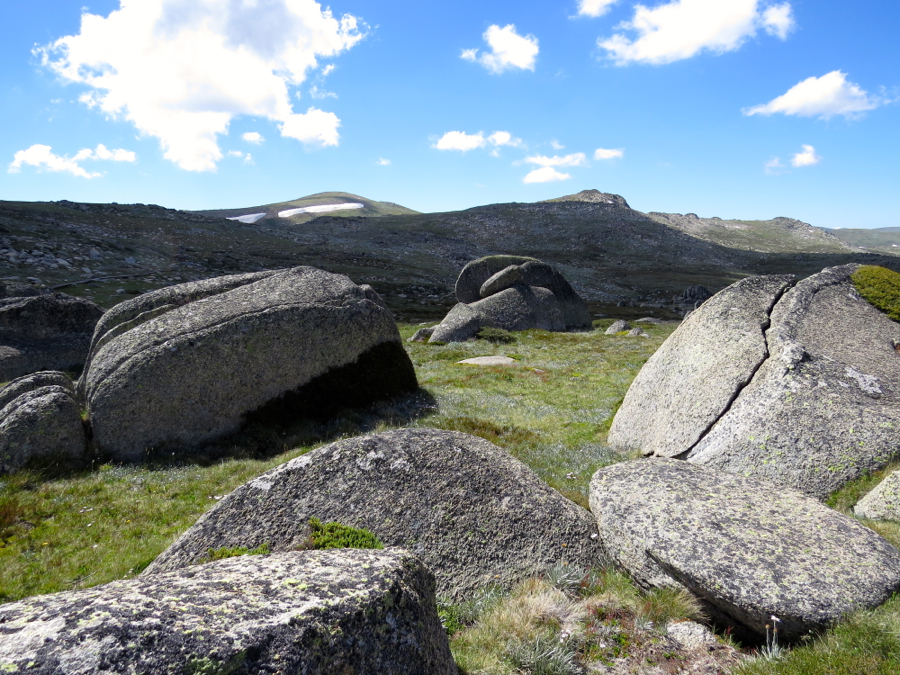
column 335, row 535
column 881, row 287
column 496, row 335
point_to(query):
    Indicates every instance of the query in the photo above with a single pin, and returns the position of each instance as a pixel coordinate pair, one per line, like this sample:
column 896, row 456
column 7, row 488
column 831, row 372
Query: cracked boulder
column 512, row 293
column 797, row 384
column 193, row 363
column 746, row 548
column 40, row 423
column 43, row 331
column 312, row 612
column 472, row 513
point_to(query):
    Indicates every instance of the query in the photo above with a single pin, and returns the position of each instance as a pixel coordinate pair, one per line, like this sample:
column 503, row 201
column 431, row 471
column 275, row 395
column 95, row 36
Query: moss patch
column 880, row 287
column 336, row 535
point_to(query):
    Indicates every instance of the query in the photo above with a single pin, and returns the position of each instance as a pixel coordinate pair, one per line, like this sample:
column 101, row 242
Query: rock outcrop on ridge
column 472, row 513
column 747, row 548
column 43, row 330
column 191, row 363
column 798, row 384
column 310, row 612
column 512, row 293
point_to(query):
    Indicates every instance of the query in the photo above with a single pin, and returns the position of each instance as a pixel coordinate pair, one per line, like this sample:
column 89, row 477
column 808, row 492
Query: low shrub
column 335, row 535
column 881, row 287
column 496, row 335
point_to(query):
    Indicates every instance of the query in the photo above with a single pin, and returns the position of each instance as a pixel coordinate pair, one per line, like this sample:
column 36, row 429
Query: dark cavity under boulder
column 44, row 331
column 311, row 612
column 472, row 513
column 189, row 364
column 747, row 548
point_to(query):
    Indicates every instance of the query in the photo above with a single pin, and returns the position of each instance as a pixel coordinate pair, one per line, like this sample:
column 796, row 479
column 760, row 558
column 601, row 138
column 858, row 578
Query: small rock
column 883, row 502
column 618, row 326
column 488, row 361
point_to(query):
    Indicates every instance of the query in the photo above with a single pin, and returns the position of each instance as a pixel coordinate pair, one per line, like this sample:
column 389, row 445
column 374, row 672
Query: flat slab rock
column 322, row 612
column 796, row 384
column 488, row 361
column 746, row 548
column 474, row 514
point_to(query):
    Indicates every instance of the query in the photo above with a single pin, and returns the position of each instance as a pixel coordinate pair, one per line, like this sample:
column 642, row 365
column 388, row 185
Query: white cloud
column 43, row 157
column 508, row 50
column 383, row 162
column 546, row 174
column 778, row 20
column 575, row 159
column 595, row 7
column 556, row 145
column 253, row 137
column 681, row 29
column 315, row 92
column 774, row 166
column 460, row 140
column 604, row 153
column 807, row 157
column 180, row 70
column 235, row 153
column 823, row 96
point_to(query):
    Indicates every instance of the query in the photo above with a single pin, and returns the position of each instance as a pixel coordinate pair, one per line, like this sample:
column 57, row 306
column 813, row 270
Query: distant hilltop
column 593, row 196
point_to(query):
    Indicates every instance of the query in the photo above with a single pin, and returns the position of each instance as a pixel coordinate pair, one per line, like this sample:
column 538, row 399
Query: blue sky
column 731, row 108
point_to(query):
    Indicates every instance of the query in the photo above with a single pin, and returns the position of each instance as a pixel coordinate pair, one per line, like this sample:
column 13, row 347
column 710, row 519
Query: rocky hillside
column 882, row 239
column 608, row 251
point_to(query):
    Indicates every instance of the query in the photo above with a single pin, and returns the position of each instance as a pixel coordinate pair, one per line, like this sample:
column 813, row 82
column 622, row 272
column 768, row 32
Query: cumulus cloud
column 556, row 145
column 575, row 159
column 508, row 50
column 681, row 29
column 824, row 97
column 806, row 157
column 181, row 70
column 43, row 157
column 253, row 137
column 546, row 174
column 605, row 153
column 460, row 140
column 383, row 162
column 594, row 7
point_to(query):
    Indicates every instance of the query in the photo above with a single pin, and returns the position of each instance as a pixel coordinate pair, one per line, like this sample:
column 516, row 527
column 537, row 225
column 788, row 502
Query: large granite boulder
column 883, row 501
column 40, row 422
column 472, row 513
column 797, row 384
column 747, row 548
column 188, row 364
column 513, row 293
column 311, row 612
column 43, row 330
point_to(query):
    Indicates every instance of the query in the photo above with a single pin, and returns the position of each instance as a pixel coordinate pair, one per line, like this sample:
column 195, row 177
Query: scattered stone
column 421, row 335
column 637, row 331
column 693, row 295
column 472, row 513
column 488, row 361
column 882, row 502
column 747, row 548
column 188, row 364
column 692, row 635
column 40, row 422
column 618, row 326
column 317, row 612
column 649, row 319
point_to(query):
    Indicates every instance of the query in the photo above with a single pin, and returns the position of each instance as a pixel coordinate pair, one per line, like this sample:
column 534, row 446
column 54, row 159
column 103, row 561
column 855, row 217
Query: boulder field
column 795, row 383
column 512, row 293
column 474, row 514
column 309, row 612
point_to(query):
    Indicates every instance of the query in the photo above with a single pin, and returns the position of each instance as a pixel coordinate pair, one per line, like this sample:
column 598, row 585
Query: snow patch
column 321, row 208
column 249, row 218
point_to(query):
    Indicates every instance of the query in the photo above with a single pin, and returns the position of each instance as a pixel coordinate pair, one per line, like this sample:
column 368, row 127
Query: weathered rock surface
column 690, row 381
column 513, row 293
column 40, row 421
column 44, row 331
column 747, row 548
column 421, row 335
column 496, row 360
column 189, row 364
column 882, row 502
column 799, row 385
column 472, row 513
column 617, row 326
column 310, row 612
